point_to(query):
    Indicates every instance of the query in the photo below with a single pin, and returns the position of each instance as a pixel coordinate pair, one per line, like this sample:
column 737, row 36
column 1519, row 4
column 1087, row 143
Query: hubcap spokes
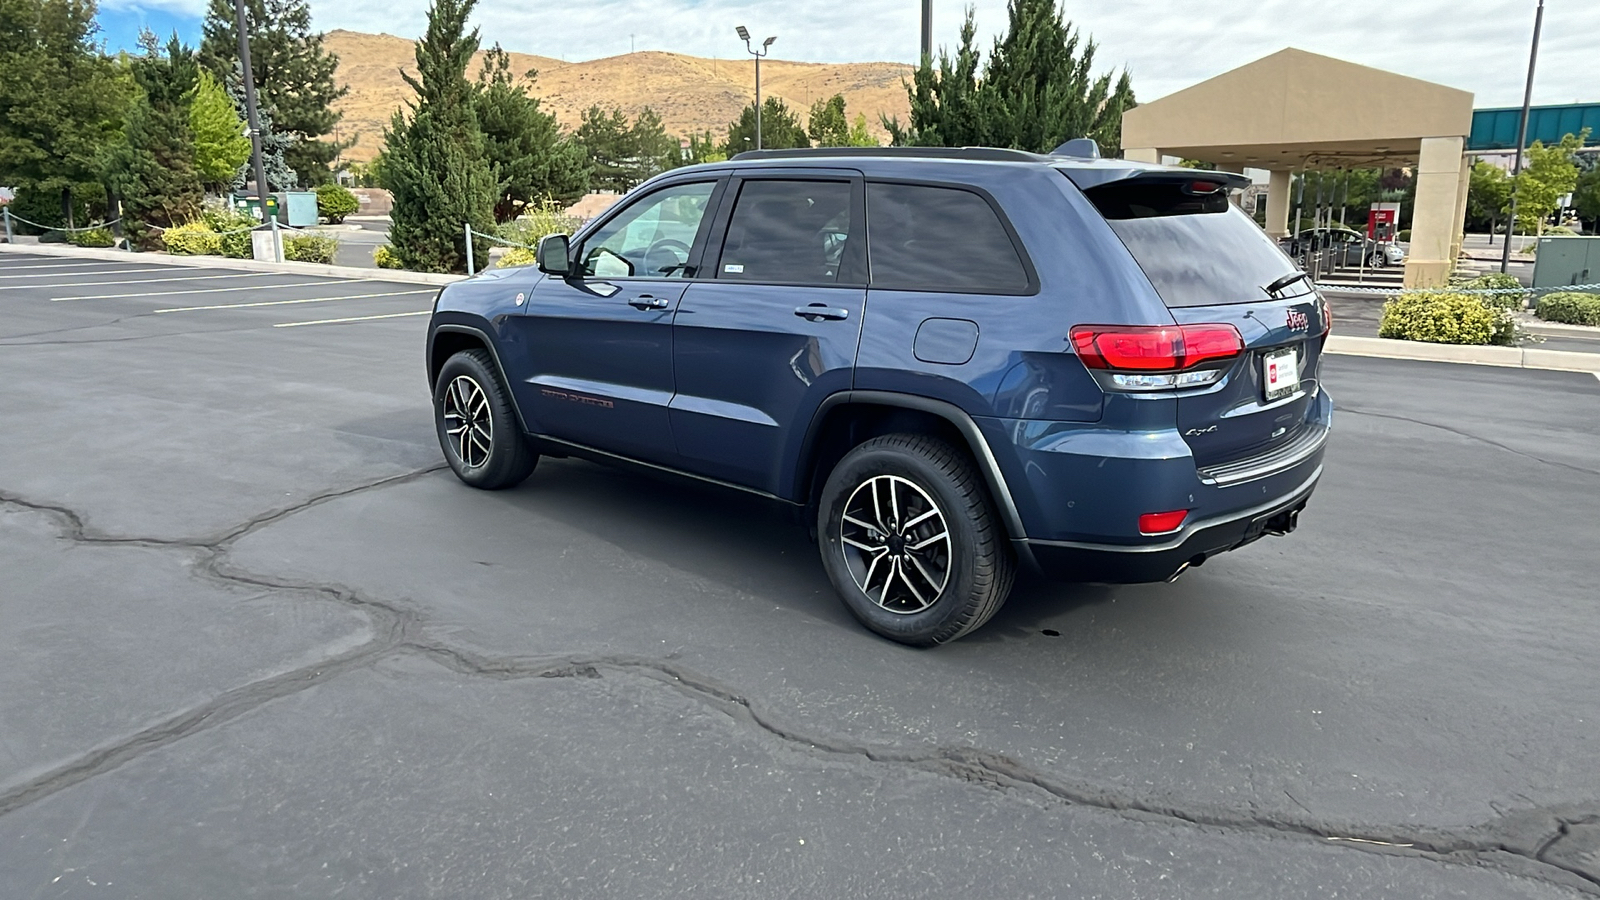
column 895, row 543
column 467, row 421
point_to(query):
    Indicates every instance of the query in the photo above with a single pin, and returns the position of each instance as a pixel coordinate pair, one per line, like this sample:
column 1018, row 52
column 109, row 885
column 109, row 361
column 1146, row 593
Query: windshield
column 1196, row 250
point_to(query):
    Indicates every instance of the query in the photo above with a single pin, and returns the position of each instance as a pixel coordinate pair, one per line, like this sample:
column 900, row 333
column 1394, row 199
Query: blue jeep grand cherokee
column 951, row 362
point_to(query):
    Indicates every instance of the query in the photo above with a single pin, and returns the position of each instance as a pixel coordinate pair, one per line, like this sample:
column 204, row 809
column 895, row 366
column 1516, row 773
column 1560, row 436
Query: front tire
column 910, row 540
column 478, row 429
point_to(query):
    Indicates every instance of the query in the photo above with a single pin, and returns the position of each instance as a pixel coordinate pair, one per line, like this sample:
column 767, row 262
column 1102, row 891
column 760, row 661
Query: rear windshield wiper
column 1284, row 282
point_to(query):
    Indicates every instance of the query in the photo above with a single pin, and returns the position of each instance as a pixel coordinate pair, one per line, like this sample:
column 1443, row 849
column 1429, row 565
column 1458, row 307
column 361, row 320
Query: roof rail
column 988, row 154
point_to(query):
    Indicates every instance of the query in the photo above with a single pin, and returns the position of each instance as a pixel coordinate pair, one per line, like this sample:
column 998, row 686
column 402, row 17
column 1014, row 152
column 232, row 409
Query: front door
column 600, row 340
column 771, row 326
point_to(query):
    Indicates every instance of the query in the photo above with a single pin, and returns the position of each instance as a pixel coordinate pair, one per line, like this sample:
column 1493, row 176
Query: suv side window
column 787, row 232
column 653, row 237
column 921, row 237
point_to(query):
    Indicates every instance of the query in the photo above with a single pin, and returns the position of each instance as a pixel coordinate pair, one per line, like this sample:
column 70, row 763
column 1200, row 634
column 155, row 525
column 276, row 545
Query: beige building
column 1294, row 111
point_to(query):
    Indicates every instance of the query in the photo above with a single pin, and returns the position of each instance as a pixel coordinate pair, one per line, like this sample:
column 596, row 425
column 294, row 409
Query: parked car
column 1349, row 248
column 949, row 363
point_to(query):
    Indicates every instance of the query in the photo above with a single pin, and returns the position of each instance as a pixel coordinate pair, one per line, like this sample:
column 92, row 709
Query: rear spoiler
column 1088, row 174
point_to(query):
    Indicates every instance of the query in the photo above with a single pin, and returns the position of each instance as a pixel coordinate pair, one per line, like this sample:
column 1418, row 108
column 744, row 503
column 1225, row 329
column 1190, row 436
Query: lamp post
column 254, row 119
column 1522, row 138
column 744, row 35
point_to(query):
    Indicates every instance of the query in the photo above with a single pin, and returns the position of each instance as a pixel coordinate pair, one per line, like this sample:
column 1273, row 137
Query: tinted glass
column 787, row 232
column 1197, row 251
column 652, row 237
column 939, row 239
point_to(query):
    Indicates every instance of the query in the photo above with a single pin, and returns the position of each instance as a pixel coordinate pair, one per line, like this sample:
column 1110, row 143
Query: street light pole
column 927, row 30
column 1522, row 138
column 253, row 116
column 744, row 35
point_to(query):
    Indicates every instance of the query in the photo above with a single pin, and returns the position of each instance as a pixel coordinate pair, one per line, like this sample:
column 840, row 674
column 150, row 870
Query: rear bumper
column 1124, row 564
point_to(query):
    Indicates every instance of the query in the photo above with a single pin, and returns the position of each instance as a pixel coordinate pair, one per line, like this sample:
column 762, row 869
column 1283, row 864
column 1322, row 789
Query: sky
column 1475, row 45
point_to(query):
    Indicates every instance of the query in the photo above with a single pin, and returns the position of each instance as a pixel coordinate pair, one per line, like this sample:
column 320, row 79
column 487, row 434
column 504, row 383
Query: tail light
column 1157, row 357
column 1327, row 317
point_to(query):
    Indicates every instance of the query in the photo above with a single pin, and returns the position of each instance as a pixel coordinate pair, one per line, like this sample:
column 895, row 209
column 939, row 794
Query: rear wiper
column 1284, row 282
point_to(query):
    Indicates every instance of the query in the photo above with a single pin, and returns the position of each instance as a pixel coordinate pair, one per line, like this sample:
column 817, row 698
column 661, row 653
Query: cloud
column 186, row 8
column 1167, row 44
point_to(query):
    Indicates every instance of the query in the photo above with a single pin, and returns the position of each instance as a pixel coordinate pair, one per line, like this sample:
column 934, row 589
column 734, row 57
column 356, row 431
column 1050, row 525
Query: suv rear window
column 1196, row 250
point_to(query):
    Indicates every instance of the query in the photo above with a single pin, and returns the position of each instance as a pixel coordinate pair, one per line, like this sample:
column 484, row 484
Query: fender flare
column 494, row 353
column 988, row 465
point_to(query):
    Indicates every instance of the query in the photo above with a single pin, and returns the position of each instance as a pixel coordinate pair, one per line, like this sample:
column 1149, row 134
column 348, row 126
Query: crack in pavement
column 1468, row 435
column 1523, row 843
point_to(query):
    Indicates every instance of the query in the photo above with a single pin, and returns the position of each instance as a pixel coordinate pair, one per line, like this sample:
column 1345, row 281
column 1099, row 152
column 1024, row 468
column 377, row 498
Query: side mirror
column 554, row 256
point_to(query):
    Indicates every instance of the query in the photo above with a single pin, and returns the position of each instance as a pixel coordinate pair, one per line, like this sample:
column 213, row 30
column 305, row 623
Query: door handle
column 817, row 312
column 645, row 301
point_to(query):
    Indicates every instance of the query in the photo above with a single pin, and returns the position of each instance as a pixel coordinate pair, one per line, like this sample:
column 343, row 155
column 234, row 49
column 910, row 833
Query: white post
column 7, row 210
column 277, row 239
column 471, row 263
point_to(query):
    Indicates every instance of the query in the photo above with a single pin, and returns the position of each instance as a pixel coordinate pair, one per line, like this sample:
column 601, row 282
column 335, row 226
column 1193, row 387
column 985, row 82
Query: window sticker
column 735, row 268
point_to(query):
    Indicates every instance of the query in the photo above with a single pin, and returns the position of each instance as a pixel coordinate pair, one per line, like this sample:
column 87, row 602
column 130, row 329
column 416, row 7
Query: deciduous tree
column 61, row 101
column 1548, row 173
column 220, row 145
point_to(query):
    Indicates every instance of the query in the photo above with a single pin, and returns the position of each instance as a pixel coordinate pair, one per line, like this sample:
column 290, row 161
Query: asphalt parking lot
column 258, row 643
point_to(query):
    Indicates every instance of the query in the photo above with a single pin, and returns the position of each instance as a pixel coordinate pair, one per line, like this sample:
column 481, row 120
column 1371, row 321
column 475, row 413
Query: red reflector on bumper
column 1162, row 522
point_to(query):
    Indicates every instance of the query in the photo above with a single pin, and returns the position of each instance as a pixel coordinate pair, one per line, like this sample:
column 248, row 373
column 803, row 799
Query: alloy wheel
column 468, row 421
column 896, row 544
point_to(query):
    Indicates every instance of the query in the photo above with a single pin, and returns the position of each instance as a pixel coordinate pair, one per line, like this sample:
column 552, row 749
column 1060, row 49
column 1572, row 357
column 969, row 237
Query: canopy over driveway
column 1295, row 110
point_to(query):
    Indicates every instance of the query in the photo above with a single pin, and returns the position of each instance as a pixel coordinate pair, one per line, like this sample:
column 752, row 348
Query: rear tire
column 911, row 542
column 478, row 429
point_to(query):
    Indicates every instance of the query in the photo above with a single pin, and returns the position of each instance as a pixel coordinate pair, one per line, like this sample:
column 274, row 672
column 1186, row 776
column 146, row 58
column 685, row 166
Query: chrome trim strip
column 1178, row 539
column 1272, row 462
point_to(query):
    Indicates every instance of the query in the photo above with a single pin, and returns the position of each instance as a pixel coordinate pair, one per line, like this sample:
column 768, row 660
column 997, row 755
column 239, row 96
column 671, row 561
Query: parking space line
column 66, row 265
column 256, row 303
column 246, row 287
column 422, row 312
column 93, row 272
column 26, row 287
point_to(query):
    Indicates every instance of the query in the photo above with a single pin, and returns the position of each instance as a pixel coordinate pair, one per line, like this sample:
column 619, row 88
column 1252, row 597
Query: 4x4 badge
column 1196, row 432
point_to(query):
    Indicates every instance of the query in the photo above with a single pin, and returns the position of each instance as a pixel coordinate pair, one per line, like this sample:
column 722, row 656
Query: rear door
column 1211, row 264
column 771, row 325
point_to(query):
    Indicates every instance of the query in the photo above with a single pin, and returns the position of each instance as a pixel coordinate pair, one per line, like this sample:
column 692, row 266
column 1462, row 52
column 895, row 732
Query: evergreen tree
column 275, row 146
column 220, row 145
column 780, row 128
column 433, row 161
column 859, row 136
column 61, row 101
column 1036, row 91
column 535, row 160
column 622, row 155
column 293, row 75
column 704, row 148
column 827, row 124
column 152, row 166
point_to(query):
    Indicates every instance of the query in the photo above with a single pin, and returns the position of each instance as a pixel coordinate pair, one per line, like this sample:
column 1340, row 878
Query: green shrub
column 1570, row 307
column 1441, row 317
column 230, row 225
column 53, row 237
column 311, row 248
column 528, row 228
column 1499, row 281
column 386, row 258
column 44, row 207
column 94, row 237
column 1404, row 236
column 334, row 202
column 1559, row 231
column 192, row 239
column 516, row 256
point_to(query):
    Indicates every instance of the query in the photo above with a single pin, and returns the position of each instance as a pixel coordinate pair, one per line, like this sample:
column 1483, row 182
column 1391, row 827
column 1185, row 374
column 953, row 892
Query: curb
column 1505, row 357
column 222, row 262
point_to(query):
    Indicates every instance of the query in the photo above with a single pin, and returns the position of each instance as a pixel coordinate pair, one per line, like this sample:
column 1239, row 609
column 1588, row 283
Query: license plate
column 1280, row 373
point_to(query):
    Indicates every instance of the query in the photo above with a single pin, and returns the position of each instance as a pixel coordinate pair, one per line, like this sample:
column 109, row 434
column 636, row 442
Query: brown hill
column 689, row 93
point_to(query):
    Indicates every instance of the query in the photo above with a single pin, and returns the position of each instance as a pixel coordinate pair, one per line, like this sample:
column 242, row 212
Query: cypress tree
column 293, row 74
column 434, row 161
